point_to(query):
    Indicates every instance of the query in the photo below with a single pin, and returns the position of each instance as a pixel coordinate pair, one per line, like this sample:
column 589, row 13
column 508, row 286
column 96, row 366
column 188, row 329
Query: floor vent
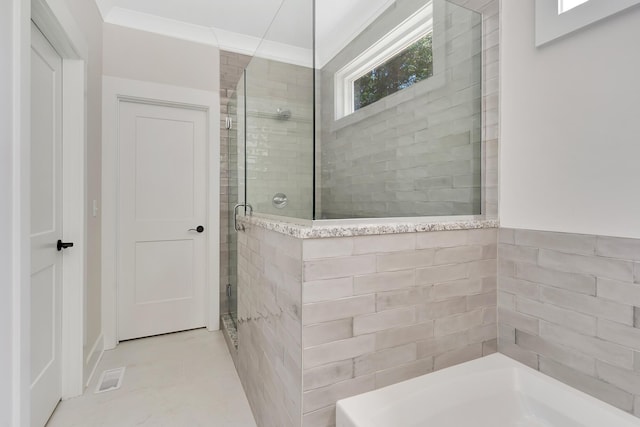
column 110, row 380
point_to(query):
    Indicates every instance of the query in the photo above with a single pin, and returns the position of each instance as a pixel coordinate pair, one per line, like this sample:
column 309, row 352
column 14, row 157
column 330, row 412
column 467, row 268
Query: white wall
column 140, row 55
column 570, row 147
column 88, row 19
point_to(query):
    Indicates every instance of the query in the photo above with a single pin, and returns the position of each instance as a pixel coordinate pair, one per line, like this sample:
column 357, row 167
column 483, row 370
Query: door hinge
column 229, row 122
column 229, row 290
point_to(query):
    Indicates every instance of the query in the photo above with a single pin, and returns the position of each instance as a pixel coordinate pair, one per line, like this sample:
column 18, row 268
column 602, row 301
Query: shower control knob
column 279, row 200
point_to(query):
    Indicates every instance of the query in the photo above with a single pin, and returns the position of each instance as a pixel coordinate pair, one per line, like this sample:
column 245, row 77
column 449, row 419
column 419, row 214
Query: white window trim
column 551, row 24
column 401, row 37
column 566, row 5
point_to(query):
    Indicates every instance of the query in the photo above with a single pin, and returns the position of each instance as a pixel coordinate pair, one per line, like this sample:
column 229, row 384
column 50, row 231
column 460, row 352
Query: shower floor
column 230, row 331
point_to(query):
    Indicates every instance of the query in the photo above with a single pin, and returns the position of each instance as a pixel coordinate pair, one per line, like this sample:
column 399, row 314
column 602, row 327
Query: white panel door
column 46, row 228
column 162, row 199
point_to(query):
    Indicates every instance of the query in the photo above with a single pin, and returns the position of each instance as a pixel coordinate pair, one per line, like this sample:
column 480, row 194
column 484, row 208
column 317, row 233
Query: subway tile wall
column 280, row 153
column 382, row 309
column 269, row 358
column 231, row 68
column 279, row 148
column 425, row 150
column 569, row 306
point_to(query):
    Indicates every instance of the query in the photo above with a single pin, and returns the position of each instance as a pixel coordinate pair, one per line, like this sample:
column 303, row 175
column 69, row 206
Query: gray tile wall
column 280, row 151
column 231, row 67
column 419, row 152
column 269, row 359
column 568, row 305
column 382, row 309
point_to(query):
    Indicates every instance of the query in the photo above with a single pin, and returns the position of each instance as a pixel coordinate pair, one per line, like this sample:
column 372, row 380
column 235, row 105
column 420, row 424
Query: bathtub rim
column 494, row 362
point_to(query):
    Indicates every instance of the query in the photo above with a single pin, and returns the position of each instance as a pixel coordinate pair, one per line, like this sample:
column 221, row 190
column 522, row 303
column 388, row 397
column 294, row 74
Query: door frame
column 115, row 90
column 15, row 46
column 57, row 24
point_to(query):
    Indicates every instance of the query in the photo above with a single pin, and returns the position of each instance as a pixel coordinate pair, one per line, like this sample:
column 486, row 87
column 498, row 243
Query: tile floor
column 180, row 380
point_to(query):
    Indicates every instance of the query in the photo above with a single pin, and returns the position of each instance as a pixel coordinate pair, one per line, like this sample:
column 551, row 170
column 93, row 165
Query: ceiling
column 240, row 25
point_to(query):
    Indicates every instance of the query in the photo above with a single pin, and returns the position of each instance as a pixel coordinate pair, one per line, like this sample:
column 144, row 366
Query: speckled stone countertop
column 348, row 230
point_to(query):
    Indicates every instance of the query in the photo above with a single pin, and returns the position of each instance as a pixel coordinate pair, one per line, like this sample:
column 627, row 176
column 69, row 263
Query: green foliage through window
column 410, row 66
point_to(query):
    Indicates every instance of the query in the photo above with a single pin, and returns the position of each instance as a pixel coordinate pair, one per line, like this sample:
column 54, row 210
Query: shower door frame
column 241, row 178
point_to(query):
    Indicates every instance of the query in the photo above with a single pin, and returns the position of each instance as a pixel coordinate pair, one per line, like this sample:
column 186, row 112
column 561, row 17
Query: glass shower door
column 280, row 117
column 235, row 134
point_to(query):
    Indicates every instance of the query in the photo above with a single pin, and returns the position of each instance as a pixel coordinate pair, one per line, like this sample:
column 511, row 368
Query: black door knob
column 199, row 229
column 63, row 245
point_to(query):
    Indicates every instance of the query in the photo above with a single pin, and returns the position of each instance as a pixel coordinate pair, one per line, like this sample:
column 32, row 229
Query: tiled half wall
column 325, row 319
column 378, row 310
column 568, row 305
column 269, row 359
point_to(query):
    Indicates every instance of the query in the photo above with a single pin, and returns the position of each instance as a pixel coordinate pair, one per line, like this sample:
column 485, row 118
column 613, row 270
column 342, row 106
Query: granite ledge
column 325, row 231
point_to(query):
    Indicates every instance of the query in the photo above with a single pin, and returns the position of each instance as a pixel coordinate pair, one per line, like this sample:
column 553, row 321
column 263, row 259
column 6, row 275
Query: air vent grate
column 110, row 380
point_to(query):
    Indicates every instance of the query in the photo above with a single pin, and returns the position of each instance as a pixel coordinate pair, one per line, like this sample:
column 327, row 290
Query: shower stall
column 306, row 147
column 350, row 118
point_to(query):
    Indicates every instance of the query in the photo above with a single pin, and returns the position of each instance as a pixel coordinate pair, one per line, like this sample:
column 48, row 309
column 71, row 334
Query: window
column 401, row 58
column 557, row 18
column 566, row 5
column 410, row 66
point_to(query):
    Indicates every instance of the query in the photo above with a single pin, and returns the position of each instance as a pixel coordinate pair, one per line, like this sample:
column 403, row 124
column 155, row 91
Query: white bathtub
column 494, row 391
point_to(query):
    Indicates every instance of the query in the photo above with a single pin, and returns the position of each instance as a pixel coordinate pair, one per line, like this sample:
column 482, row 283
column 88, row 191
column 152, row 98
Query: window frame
column 561, row 5
column 367, row 74
column 552, row 24
column 394, row 42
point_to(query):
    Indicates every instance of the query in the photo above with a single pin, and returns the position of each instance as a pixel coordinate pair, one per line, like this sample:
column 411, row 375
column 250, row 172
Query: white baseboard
column 93, row 359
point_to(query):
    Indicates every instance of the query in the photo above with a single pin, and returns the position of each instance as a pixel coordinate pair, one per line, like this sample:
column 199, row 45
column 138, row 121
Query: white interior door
column 46, row 228
column 162, row 199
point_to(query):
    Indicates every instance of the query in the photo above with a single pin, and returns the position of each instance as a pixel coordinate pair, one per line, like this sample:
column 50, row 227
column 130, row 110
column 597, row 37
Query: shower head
column 283, row 114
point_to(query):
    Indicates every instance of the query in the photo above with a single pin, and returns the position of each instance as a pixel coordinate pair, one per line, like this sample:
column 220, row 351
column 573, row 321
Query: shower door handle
column 235, row 217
